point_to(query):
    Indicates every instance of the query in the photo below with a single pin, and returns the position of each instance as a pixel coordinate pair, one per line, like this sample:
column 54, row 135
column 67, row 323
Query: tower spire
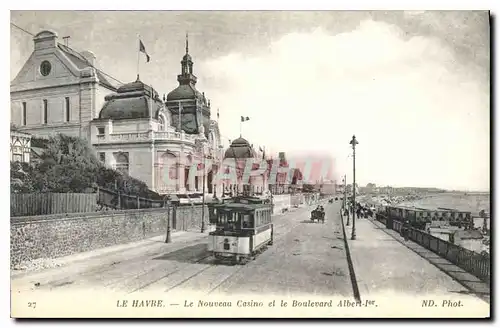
column 187, row 43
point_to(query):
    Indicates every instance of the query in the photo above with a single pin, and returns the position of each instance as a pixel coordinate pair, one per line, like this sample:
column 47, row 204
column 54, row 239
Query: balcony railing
column 145, row 136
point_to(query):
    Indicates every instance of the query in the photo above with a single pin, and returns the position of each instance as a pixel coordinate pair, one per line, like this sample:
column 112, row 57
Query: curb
column 352, row 274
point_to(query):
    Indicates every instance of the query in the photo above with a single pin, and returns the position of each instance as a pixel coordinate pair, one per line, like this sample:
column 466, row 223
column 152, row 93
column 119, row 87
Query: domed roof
column 184, row 91
column 187, row 57
column 132, row 100
column 137, row 85
column 240, row 148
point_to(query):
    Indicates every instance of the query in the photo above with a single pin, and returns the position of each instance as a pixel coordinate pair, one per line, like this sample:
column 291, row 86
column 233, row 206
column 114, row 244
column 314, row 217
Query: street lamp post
column 203, row 187
column 353, row 143
column 345, row 199
column 168, row 239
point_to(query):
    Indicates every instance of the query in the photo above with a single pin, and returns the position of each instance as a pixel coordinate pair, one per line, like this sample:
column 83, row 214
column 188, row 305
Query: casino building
column 156, row 140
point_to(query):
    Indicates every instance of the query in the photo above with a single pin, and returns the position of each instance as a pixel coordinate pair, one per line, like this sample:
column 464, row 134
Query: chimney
column 45, row 40
column 89, row 56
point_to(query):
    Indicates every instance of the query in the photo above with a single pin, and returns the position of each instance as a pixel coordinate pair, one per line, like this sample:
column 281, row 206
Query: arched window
column 122, row 163
column 161, row 123
column 169, row 167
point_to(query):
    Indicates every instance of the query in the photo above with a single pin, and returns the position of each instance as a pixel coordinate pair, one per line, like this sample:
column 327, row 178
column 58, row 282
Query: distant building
column 20, row 146
column 240, row 151
column 328, row 188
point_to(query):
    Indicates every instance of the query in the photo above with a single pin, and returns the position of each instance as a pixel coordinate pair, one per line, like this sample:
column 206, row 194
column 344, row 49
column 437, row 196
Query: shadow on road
column 192, row 254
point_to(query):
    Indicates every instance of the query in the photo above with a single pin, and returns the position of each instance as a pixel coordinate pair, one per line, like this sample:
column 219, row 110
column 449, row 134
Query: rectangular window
column 100, row 131
column 102, row 157
column 24, row 113
column 67, row 109
column 45, row 111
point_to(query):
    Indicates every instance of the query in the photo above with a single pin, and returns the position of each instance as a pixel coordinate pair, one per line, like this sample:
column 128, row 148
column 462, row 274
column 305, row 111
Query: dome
column 137, row 85
column 240, row 148
column 131, row 101
column 184, row 91
column 187, row 57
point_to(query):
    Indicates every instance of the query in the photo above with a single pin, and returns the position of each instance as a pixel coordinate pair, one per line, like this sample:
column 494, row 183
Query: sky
column 412, row 86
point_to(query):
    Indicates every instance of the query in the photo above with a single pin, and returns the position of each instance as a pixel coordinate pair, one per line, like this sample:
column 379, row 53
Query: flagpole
column 138, row 54
column 153, row 152
column 180, row 116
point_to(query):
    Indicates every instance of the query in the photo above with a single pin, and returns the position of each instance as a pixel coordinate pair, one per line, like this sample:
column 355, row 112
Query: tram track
column 278, row 238
column 80, row 275
column 198, row 261
column 282, row 223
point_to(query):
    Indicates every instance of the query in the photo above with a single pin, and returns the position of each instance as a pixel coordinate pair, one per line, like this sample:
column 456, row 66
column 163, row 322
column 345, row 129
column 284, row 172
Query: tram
column 419, row 217
column 243, row 228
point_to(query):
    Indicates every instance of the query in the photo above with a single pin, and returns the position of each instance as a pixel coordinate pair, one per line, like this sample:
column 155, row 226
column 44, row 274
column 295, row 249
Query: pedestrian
column 406, row 230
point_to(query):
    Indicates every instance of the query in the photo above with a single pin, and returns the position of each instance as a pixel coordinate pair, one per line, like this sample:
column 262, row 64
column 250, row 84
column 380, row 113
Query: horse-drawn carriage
column 318, row 214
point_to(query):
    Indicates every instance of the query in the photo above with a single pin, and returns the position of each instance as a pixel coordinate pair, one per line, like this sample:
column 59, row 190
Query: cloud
column 421, row 119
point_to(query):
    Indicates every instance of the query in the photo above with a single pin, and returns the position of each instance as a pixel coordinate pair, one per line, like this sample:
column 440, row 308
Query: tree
column 21, row 177
column 68, row 164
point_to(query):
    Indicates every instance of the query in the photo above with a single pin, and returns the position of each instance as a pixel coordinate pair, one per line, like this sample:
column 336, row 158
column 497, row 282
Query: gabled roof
column 82, row 63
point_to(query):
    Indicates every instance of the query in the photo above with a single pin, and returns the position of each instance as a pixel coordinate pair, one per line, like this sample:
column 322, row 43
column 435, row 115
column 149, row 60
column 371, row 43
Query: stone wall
column 52, row 236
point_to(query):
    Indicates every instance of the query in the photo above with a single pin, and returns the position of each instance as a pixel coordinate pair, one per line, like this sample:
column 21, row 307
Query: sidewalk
column 468, row 280
column 384, row 265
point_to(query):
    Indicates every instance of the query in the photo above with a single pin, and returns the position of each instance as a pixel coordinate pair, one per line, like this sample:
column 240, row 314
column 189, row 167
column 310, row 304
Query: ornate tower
column 190, row 108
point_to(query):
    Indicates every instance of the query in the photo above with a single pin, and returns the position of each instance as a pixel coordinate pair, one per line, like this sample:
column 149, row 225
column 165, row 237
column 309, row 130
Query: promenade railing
column 477, row 264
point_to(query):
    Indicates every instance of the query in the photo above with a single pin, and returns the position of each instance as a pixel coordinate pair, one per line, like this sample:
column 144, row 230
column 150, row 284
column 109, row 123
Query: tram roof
column 236, row 206
column 420, row 209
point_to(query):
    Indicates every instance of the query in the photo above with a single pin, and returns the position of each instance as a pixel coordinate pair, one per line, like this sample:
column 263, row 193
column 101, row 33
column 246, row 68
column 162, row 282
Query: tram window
column 233, row 218
column 246, row 221
column 223, row 218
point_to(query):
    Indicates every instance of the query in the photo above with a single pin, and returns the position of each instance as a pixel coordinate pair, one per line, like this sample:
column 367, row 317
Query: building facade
column 57, row 90
column 238, row 158
column 158, row 141
column 171, row 144
column 20, row 146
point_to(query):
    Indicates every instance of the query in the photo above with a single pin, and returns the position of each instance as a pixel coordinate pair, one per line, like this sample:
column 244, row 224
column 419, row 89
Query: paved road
column 306, row 258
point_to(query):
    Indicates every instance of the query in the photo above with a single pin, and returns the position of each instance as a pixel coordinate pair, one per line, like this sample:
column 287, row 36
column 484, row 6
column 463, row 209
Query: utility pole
column 168, row 239
column 353, row 143
column 203, row 184
column 203, row 196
